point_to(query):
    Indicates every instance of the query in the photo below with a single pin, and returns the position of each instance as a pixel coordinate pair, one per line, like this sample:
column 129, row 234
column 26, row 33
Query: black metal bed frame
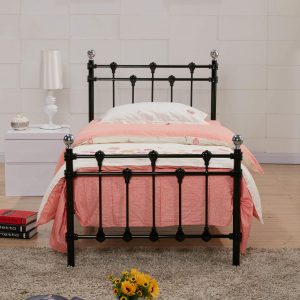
column 153, row 156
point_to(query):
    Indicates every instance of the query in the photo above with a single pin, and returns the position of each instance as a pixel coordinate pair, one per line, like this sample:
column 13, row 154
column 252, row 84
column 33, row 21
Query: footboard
column 127, row 174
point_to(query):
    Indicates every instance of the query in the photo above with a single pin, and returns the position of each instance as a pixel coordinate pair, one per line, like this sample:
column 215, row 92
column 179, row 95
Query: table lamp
column 51, row 80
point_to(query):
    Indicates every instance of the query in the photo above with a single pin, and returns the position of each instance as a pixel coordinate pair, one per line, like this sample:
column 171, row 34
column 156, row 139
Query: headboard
column 153, row 66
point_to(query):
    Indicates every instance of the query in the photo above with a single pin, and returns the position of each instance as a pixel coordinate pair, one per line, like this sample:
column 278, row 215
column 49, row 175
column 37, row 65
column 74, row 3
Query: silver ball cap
column 237, row 140
column 214, row 54
column 69, row 140
column 91, row 54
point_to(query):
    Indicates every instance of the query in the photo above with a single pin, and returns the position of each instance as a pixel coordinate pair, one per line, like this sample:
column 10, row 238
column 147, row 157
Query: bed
column 123, row 171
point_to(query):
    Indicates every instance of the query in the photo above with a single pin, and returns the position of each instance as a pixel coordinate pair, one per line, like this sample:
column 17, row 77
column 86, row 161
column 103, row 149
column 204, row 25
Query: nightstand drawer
column 30, row 159
column 33, row 150
column 28, row 179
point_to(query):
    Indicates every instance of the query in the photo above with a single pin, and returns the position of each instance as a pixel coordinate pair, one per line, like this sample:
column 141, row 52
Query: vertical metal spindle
column 100, row 237
column 69, row 176
column 133, row 81
column 113, row 67
column 237, row 236
column 90, row 66
column 180, row 236
column 214, row 80
column 127, row 236
column 192, row 67
column 152, row 67
column 206, row 157
column 153, row 155
column 171, row 81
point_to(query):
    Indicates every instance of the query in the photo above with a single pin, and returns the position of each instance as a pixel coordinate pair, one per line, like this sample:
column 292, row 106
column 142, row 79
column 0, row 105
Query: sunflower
column 128, row 288
column 139, row 293
column 154, row 288
column 125, row 274
column 143, row 279
column 116, row 291
column 117, row 280
column 123, row 298
column 134, row 271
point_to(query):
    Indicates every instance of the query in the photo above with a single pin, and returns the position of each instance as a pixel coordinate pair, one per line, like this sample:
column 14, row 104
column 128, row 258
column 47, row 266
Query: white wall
column 258, row 40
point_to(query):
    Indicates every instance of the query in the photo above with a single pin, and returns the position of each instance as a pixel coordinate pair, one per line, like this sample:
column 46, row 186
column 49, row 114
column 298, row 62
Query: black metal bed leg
column 237, row 173
column 70, row 251
column 236, row 253
column 69, row 174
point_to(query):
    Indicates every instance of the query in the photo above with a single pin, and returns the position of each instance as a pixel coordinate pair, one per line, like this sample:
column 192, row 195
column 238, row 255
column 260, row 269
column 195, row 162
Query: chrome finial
column 238, row 141
column 91, row 54
column 214, row 54
column 69, row 140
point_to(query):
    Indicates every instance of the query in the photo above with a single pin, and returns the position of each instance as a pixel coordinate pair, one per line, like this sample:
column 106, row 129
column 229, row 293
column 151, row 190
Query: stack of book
column 19, row 224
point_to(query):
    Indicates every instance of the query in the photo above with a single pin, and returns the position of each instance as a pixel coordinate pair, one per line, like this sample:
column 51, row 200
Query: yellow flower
column 125, row 273
column 143, row 279
column 128, row 288
column 139, row 293
column 123, row 298
column 116, row 291
column 133, row 279
column 154, row 288
column 134, row 271
column 117, row 280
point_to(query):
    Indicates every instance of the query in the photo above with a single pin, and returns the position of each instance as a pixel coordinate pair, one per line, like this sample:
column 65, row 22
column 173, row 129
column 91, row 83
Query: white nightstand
column 30, row 159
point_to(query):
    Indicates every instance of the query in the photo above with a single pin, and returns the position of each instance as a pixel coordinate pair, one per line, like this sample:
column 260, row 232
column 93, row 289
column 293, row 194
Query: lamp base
column 50, row 126
column 50, row 109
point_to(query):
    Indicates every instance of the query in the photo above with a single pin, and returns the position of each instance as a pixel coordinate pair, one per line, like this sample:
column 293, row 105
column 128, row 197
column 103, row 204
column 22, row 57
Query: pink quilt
column 86, row 196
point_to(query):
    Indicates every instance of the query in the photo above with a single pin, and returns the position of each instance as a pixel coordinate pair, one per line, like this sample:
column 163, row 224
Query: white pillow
column 154, row 112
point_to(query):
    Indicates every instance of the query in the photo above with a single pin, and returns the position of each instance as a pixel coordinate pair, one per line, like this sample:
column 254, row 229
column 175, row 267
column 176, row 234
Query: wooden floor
column 280, row 193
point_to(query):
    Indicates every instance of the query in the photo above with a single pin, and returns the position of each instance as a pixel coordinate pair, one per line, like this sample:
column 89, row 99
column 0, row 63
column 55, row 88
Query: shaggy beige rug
column 202, row 273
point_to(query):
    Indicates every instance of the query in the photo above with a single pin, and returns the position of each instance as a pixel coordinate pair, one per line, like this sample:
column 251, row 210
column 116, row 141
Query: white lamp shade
column 51, row 70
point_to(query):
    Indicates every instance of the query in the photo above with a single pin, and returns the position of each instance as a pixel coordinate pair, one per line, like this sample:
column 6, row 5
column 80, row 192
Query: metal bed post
column 69, row 175
column 214, row 80
column 91, row 54
column 237, row 171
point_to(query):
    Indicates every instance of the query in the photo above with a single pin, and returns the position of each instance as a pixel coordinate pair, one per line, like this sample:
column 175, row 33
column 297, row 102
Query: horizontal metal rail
column 142, row 236
column 231, row 155
column 209, row 79
column 112, row 174
column 95, row 66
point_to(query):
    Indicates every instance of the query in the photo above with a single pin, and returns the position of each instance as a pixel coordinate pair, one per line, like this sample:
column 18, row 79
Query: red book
column 20, row 217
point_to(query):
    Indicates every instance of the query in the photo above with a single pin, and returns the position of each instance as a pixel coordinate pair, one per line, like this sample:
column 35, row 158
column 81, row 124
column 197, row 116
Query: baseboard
column 265, row 158
column 278, row 158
